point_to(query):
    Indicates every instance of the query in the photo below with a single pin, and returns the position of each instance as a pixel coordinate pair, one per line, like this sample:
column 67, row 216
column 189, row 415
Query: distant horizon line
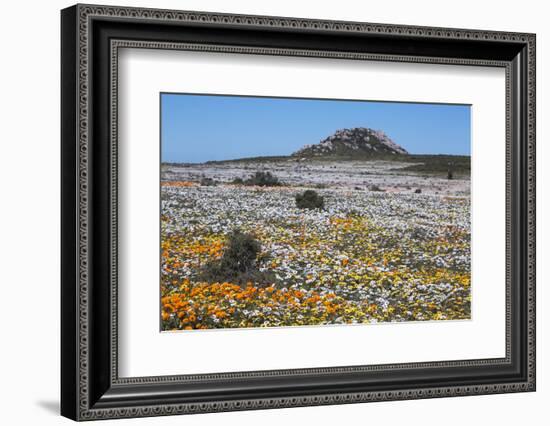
column 388, row 156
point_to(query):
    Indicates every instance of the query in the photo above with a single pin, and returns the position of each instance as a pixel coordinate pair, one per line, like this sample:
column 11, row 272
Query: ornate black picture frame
column 91, row 37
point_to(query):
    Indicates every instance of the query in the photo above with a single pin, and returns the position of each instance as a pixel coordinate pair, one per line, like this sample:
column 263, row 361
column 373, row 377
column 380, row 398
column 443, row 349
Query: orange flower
column 177, row 184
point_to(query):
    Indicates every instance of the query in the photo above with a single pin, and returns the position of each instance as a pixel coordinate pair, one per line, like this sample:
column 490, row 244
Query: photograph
column 280, row 212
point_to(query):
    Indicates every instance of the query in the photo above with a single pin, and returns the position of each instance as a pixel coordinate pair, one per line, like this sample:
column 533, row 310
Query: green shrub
column 309, row 199
column 375, row 188
column 262, row 179
column 239, row 262
column 241, row 251
column 206, row 181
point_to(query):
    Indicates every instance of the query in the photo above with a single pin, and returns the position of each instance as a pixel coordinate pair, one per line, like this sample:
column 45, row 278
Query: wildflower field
column 398, row 252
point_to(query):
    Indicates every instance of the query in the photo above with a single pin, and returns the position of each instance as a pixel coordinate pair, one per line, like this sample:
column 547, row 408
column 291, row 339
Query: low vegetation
column 445, row 165
column 258, row 179
column 262, row 179
column 238, row 263
column 309, row 199
column 206, row 181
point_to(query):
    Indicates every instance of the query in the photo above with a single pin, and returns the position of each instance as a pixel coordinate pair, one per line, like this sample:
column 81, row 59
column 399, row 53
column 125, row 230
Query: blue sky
column 199, row 128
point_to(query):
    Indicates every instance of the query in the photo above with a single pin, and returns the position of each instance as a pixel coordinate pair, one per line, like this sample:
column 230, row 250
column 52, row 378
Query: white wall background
column 29, row 212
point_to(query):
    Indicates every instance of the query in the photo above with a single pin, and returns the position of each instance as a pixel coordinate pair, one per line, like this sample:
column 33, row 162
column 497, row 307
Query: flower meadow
column 365, row 257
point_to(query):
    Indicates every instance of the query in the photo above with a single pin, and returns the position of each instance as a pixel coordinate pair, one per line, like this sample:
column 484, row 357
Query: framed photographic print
column 263, row 212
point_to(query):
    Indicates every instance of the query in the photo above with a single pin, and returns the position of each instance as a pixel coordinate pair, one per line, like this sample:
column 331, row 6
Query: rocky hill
column 356, row 142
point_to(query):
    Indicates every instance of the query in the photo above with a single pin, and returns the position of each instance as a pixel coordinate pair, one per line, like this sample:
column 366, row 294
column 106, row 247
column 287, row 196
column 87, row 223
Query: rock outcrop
column 359, row 141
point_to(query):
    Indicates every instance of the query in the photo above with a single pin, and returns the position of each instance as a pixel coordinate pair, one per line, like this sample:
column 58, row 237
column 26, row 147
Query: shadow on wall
column 50, row 406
